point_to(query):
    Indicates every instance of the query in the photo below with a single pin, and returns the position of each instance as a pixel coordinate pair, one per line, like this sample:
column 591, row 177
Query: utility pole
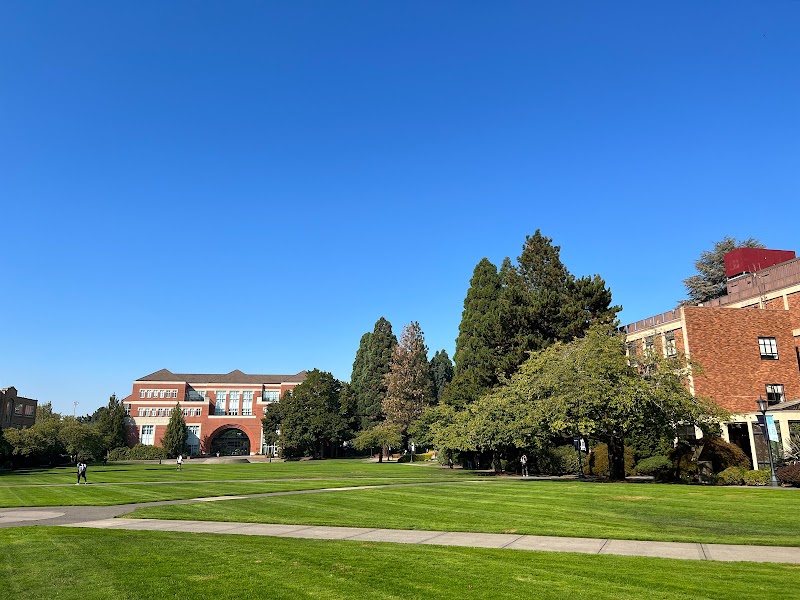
column 74, row 407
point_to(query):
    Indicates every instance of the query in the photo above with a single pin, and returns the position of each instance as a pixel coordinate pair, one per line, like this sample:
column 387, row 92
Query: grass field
column 622, row 511
column 49, row 562
column 122, row 483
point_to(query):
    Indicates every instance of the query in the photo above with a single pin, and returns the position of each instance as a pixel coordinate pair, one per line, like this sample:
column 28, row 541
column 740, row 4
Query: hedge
column 756, row 477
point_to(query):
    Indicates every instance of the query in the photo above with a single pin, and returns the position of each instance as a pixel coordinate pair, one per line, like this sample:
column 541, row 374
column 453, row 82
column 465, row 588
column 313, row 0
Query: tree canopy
column 176, row 434
column 710, row 281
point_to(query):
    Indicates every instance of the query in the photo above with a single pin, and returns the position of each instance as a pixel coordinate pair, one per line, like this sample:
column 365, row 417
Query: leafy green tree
column 479, row 333
column 271, row 423
column 409, row 386
column 81, row 440
column 111, row 423
column 441, row 372
column 40, row 443
column 383, row 436
column 313, row 420
column 710, row 280
column 589, row 385
column 176, row 434
column 368, row 385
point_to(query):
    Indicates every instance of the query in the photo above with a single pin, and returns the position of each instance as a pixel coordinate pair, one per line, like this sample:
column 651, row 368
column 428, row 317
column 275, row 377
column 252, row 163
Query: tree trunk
column 616, row 457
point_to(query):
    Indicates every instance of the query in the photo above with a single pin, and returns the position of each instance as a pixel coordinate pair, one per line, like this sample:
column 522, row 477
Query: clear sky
column 205, row 186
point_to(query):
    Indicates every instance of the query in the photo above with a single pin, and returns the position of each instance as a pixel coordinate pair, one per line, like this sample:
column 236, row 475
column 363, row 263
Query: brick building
column 16, row 411
column 222, row 411
column 746, row 343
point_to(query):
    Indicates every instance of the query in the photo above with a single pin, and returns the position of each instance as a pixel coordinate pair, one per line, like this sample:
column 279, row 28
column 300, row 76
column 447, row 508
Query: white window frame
column 768, row 347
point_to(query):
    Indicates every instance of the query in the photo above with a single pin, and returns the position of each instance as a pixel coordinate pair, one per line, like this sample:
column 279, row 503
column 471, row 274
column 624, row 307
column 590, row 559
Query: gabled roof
column 236, row 376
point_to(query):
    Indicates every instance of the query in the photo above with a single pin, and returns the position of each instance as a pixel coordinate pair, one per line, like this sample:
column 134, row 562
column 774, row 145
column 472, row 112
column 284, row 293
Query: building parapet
column 650, row 322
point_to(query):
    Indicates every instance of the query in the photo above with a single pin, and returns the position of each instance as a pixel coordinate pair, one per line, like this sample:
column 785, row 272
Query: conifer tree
column 441, row 372
column 111, row 424
column 710, row 281
column 176, row 435
column 409, row 387
column 368, row 385
column 476, row 357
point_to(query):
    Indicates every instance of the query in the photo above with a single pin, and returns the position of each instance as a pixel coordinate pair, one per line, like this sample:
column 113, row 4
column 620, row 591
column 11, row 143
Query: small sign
column 579, row 443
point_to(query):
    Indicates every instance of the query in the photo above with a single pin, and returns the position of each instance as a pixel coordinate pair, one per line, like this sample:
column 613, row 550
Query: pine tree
column 174, row 440
column 369, row 370
column 111, row 423
column 409, row 387
column 710, row 280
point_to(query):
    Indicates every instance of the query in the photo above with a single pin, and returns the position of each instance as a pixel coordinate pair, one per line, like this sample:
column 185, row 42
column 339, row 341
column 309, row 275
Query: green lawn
column 48, row 562
column 622, row 511
column 121, row 483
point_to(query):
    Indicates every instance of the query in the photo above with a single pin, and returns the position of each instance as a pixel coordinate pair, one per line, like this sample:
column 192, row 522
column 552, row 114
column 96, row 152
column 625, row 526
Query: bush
column 732, row 476
column 559, row 460
column 138, row 452
column 598, row 461
column 790, row 474
column 423, row 456
column 659, row 467
column 756, row 477
column 722, row 454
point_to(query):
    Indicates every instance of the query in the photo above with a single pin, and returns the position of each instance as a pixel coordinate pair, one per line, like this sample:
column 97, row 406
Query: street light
column 762, row 408
column 577, row 441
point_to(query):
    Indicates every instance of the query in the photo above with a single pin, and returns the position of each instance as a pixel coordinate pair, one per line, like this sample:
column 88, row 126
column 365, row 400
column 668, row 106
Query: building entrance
column 231, row 442
column 740, row 436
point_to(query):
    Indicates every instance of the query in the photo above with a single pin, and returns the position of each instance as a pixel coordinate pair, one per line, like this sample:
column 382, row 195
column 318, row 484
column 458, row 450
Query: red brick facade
column 223, row 411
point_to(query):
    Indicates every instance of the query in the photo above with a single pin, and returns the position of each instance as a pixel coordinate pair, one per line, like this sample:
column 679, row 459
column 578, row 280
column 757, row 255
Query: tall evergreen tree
column 176, row 435
column 710, row 280
column 441, row 372
column 477, row 357
column 369, row 371
column 111, row 423
column 409, row 386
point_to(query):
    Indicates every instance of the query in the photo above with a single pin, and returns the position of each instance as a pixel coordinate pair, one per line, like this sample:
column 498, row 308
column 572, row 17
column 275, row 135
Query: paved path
column 107, row 517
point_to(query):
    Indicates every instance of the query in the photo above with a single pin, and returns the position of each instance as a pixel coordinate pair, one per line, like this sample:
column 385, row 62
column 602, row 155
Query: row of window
column 166, row 412
column 767, row 346
column 158, row 393
column 147, row 437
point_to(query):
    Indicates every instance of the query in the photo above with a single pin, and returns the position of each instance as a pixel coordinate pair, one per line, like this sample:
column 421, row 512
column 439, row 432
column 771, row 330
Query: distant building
column 16, row 411
column 222, row 411
column 746, row 343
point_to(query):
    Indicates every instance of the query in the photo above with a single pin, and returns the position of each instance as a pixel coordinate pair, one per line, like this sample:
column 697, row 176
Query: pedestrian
column 105, row 460
column 524, row 462
column 81, row 472
column 450, row 461
column 180, row 461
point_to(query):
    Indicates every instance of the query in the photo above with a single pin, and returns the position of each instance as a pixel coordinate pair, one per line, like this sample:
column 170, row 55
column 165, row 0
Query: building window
column 141, row 412
column 233, row 404
column 149, row 393
column 247, row 404
column 141, row 393
column 768, row 347
column 219, row 406
column 631, row 346
column 174, row 393
column 671, row 349
column 775, row 393
column 160, row 393
column 160, row 412
column 193, row 439
column 649, row 344
column 148, row 435
column 271, row 395
column 127, row 410
column 18, row 408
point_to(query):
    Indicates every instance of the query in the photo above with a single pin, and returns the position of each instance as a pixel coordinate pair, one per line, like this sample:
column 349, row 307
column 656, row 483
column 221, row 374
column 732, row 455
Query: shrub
column 423, row 456
column 732, row 476
column 756, row 477
column 659, row 467
column 598, row 461
column 138, row 452
column 790, row 474
column 722, row 454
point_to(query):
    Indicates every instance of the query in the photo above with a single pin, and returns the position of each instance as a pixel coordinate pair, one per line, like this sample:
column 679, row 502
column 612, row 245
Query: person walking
column 81, row 472
column 180, row 461
column 524, row 462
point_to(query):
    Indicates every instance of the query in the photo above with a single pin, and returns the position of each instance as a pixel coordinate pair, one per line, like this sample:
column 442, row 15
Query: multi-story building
column 746, row 344
column 222, row 411
column 16, row 411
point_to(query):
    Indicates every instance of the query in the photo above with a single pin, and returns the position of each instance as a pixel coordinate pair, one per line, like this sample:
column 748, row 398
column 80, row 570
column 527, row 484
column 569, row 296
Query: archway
column 230, row 442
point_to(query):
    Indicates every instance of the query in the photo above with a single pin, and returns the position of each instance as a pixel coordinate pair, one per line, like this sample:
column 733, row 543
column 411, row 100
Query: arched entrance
column 230, row 442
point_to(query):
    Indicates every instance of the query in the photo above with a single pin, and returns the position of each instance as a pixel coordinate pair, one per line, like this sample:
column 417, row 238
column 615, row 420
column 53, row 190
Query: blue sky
column 214, row 186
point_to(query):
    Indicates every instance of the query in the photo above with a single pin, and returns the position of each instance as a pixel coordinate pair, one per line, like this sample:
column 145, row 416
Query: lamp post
column 576, row 441
column 762, row 408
